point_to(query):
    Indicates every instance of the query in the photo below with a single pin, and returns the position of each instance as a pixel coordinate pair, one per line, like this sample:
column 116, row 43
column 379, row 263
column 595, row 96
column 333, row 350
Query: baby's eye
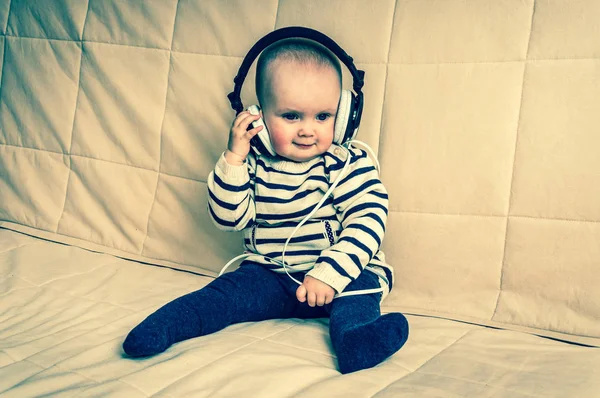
column 323, row 116
column 289, row 116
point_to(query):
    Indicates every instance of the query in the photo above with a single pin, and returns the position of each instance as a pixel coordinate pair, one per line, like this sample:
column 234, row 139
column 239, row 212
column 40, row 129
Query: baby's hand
column 239, row 138
column 317, row 292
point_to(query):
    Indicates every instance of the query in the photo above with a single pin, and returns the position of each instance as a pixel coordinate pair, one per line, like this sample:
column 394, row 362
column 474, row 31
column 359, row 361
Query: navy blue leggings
column 360, row 337
column 254, row 293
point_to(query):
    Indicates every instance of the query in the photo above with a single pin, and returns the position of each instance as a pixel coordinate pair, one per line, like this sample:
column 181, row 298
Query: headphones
column 350, row 106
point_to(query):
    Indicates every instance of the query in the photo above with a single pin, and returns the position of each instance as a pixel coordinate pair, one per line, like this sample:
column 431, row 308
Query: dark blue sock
column 365, row 346
column 174, row 322
column 360, row 335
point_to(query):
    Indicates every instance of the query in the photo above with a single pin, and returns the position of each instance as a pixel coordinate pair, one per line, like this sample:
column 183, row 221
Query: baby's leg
column 250, row 293
column 360, row 335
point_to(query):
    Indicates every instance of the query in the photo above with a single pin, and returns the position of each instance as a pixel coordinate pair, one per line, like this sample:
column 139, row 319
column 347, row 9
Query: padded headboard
column 485, row 116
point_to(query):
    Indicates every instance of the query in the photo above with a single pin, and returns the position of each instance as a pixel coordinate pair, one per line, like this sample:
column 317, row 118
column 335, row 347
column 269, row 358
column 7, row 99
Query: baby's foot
column 368, row 345
column 147, row 338
column 174, row 322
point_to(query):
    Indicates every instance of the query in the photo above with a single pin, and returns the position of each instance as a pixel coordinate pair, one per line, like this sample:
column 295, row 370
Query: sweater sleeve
column 362, row 202
column 231, row 194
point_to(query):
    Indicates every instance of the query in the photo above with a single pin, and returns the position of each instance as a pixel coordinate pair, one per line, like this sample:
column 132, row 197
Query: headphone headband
column 289, row 32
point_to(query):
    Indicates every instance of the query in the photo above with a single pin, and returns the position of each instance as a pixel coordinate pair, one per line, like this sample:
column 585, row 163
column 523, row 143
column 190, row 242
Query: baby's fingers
column 321, row 299
column 252, row 132
column 243, row 120
column 301, row 293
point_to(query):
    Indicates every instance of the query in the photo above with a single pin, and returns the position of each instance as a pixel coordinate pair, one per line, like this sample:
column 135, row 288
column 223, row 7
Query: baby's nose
column 306, row 129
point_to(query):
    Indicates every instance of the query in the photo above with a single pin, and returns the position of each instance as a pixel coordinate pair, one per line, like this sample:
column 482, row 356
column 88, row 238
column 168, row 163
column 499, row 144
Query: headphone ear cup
column 261, row 141
column 344, row 112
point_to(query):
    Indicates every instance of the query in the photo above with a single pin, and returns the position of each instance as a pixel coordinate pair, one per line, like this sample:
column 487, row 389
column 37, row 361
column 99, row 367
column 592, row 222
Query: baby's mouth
column 303, row 146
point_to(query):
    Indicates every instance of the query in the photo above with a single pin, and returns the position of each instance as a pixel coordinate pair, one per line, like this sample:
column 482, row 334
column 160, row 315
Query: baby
column 298, row 84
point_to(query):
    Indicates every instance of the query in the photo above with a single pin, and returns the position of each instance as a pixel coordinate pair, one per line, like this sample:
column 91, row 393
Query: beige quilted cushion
column 485, row 116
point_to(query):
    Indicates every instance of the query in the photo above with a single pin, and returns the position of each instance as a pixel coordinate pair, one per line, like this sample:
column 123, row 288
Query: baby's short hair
column 298, row 50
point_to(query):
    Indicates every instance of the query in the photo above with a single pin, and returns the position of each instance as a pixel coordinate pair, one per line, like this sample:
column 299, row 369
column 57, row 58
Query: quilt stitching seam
column 499, row 61
column 16, row 290
column 301, row 348
column 5, row 44
column 216, row 359
column 15, row 360
column 7, row 17
column 61, row 238
column 60, row 368
column 277, row 14
column 144, row 47
column 100, row 160
column 161, row 132
column 79, row 89
column 495, row 216
column 71, row 275
column 426, row 362
column 117, row 381
column 18, row 247
column 49, row 319
column 27, row 378
column 514, row 167
column 30, row 357
column 380, row 136
column 521, row 393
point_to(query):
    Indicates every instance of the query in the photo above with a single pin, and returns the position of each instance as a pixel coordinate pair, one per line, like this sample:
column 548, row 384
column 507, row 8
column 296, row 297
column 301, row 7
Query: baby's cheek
column 277, row 144
column 279, row 141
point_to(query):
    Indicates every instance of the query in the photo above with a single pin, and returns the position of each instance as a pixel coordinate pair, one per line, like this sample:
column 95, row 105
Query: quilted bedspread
column 485, row 117
column 64, row 312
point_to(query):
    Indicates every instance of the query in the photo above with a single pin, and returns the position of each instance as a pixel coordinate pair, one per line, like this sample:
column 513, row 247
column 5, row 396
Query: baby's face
column 300, row 112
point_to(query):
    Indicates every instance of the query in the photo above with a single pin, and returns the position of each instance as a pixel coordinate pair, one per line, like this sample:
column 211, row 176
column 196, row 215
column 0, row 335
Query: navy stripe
column 363, row 206
column 363, row 186
column 340, row 164
column 336, row 267
column 271, row 169
column 381, row 195
column 357, row 172
column 357, row 243
column 274, row 199
column 298, row 239
column 366, row 230
column 376, row 218
column 389, row 276
column 260, row 181
column 291, row 253
column 226, row 223
column 292, row 224
column 225, row 205
column 352, row 256
column 220, row 221
column 229, row 187
column 296, row 214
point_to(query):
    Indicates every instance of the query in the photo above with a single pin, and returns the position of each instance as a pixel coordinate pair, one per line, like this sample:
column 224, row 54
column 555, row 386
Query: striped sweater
column 267, row 197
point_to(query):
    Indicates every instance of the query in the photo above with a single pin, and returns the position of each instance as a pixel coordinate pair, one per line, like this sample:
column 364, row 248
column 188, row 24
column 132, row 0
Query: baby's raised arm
column 230, row 184
column 238, row 146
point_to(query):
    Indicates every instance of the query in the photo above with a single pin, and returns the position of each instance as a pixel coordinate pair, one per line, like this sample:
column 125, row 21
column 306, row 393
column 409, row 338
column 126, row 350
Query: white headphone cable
column 307, row 217
column 304, row 220
column 368, row 148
